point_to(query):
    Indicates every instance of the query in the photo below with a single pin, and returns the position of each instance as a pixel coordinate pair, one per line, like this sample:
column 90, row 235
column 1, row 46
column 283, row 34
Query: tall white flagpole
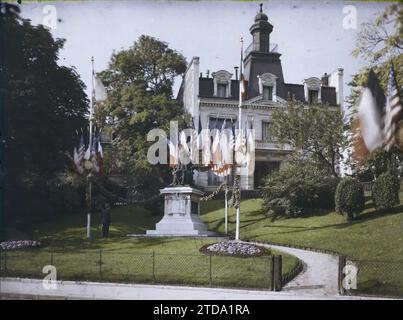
column 92, row 99
column 241, row 90
column 89, row 182
column 226, row 205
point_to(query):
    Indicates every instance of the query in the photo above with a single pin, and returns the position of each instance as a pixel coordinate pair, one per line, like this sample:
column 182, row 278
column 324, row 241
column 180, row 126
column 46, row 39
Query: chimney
column 325, row 79
column 236, row 72
column 207, row 73
column 201, row 74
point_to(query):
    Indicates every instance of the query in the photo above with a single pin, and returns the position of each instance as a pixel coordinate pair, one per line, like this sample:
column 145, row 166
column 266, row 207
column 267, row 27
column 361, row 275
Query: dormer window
column 267, row 86
column 313, row 96
column 221, row 90
column 268, row 93
column 313, row 90
column 222, row 84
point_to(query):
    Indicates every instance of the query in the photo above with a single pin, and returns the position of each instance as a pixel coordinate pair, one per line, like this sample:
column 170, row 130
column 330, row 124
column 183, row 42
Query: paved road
column 29, row 288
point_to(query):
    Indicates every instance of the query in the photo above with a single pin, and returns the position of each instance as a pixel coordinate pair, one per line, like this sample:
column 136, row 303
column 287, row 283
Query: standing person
column 106, row 220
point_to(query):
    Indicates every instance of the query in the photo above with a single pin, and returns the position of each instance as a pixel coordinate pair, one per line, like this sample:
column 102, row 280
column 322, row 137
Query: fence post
column 272, row 272
column 153, row 262
column 5, row 261
column 278, row 271
column 210, row 275
column 100, row 264
column 342, row 264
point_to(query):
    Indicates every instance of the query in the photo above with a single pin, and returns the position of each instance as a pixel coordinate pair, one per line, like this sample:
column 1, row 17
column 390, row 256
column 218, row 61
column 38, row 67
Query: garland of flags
column 89, row 157
column 222, row 148
column 235, row 200
column 216, row 192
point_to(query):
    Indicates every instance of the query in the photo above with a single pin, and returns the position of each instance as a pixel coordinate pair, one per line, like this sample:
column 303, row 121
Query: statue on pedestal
column 182, row 175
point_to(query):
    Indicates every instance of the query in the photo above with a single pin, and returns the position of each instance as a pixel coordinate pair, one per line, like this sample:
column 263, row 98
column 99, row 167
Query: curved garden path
column 320, row 274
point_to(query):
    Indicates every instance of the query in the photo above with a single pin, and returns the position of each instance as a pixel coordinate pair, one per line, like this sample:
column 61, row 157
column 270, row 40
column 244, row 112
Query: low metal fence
column 263, row 272
column 370, row 277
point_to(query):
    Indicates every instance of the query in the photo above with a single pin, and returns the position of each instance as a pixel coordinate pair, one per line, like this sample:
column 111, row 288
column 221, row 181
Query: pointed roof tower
column 261, row 57
column 260, row 31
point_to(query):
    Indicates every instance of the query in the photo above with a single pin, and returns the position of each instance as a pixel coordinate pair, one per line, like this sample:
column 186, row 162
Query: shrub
column 349, row 198
column 298, row 188
column 385, row 191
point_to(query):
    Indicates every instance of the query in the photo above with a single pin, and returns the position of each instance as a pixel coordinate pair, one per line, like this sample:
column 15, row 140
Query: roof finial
column 261, row 7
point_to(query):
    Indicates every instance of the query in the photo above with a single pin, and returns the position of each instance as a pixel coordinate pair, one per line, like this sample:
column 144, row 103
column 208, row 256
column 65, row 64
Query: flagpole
column 238, row 208
column 89, row 182
column 92, row 99
column 226, row 205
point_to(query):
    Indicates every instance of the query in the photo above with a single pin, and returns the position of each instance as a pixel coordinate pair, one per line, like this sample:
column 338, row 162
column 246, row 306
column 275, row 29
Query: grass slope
column 141, row 260
column 375, row 238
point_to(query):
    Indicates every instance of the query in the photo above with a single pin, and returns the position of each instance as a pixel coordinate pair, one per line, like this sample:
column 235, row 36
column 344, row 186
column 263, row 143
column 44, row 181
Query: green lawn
column 374, row 238
column 139, row 260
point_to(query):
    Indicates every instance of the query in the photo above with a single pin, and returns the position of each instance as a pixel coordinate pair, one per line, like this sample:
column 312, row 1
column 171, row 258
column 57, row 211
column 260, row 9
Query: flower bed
column 19, row 244
column 234, row 248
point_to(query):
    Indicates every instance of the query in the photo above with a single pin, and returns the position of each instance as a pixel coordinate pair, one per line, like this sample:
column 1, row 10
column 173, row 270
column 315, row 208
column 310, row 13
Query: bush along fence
column 264, row 272
column 369, row 277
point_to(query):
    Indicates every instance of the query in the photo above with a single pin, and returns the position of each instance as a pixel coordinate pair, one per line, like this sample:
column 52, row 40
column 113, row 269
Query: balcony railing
column 272, row 145
column 273, row 47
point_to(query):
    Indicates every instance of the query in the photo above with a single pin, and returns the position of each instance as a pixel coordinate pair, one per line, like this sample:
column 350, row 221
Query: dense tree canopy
column 139, row 82
column 382, row 38
column 44, row 104
column 317, row 130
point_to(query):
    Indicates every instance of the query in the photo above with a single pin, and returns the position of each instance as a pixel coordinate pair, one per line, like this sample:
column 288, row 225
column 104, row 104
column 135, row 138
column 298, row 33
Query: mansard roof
column 296, row 91
column 206, row 90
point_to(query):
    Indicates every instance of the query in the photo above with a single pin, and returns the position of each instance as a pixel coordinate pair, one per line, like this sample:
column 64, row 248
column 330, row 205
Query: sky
column 310, row 34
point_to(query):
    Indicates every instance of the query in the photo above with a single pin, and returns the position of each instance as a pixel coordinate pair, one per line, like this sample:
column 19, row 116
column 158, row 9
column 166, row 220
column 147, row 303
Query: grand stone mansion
column 211, row 99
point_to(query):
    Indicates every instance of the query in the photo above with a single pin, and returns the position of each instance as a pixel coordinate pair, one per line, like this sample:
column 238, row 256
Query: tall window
column 268, row 93
column 313, row 96
column 221, row 90
column 266, row 132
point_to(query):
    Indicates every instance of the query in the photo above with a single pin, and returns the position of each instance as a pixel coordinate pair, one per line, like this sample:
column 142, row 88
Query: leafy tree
column 300, row 187
column 44, row 104
column 139, row 83
column 379, row 162
column 383, row 37
column 385, row 191
column 317, row 130
column 349, row 198
column 382, row 71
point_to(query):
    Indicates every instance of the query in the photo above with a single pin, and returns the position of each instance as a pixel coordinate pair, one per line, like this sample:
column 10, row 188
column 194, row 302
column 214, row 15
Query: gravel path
column 320, row 274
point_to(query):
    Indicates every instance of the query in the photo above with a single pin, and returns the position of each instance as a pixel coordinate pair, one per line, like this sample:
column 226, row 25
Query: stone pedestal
column 181, row 213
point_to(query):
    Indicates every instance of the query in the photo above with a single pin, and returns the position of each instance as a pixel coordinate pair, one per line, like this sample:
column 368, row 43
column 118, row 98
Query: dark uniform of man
column 106, row 220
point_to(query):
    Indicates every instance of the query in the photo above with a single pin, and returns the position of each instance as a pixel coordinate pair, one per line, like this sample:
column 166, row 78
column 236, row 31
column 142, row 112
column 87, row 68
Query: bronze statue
column 182, row 175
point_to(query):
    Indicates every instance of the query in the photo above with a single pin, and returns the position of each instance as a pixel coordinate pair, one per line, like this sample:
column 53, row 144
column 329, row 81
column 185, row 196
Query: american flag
column 79, row 155
column 393, row 111
column 81, row 149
